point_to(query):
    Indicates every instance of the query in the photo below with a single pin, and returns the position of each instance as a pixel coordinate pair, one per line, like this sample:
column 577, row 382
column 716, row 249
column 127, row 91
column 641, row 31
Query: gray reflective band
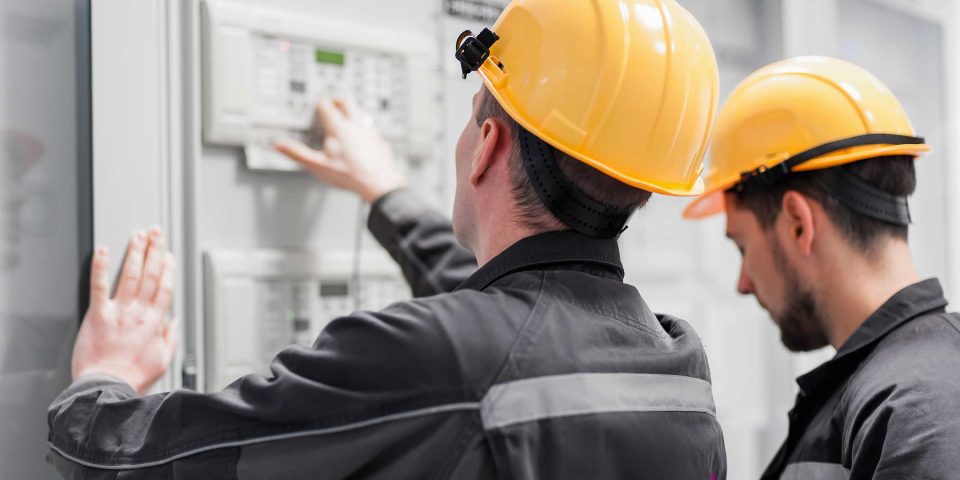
column 592, row 393
column 815, row 471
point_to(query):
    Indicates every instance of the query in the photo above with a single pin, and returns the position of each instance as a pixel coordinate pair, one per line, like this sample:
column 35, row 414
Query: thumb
column 300, row 153
column 99, row 284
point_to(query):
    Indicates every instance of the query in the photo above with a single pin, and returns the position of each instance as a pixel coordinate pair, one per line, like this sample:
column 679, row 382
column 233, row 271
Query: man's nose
column 744, row 284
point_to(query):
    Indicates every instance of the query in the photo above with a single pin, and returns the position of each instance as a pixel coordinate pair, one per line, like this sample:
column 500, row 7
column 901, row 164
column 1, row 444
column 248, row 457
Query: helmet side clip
column 472, row 50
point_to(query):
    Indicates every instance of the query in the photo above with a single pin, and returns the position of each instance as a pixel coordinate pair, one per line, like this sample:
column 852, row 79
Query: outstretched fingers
column 164, row 298
column 132, row 270
column 152, row 267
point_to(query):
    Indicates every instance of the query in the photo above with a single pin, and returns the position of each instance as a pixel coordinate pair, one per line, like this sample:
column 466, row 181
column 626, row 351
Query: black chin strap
column 850, row 190
column 568, row 203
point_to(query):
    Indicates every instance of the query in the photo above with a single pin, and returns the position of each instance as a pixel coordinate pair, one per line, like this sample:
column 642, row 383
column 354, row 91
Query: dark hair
column 895, row 175
column 598, row 185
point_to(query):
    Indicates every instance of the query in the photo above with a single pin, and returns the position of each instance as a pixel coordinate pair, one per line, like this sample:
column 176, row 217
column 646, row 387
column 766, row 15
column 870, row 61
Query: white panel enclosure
column 265, row 68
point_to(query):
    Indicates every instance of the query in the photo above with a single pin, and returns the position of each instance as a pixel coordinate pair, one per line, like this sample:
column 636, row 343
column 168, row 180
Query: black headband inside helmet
column 850, row 190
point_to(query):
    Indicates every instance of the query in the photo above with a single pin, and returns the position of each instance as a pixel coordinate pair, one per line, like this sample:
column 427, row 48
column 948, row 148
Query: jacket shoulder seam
column 630, row 322
column 952, row 320
column 521, row 335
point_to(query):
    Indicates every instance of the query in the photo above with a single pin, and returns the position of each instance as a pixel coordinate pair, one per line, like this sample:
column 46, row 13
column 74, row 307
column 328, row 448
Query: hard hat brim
column 706, row 205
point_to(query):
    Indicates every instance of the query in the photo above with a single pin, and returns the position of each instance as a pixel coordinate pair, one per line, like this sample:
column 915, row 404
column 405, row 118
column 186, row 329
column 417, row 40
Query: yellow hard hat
column 629, row 87
column 802, row 114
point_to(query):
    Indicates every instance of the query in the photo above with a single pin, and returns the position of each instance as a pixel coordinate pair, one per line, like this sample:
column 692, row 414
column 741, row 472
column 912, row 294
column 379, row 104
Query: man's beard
column 800, row 322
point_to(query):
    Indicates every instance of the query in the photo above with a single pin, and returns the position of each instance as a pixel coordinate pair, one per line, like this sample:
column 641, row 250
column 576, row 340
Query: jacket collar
column 550, row 249
column 905, row 305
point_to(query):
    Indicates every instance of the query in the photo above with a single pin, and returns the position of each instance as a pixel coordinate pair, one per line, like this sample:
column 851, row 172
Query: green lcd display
column 333, row 58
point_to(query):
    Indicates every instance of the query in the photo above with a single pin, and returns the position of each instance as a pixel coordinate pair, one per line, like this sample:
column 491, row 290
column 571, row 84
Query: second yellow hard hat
column 797, row 107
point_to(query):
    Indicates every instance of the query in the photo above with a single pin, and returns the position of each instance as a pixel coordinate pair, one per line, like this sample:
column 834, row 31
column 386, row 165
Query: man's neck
column 495, row 241
column 498, row 230
column 853, row 289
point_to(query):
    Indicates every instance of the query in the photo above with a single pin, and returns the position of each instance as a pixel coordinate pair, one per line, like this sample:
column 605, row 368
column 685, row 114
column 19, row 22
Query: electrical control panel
column 258, row 302
column 264, row 70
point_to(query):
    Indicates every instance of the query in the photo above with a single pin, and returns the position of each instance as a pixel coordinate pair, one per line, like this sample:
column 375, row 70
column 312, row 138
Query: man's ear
column 494, row 145
column 796, row 214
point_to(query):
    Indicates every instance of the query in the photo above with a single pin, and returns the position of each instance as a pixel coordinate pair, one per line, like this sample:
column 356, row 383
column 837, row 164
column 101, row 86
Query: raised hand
column 355, row 156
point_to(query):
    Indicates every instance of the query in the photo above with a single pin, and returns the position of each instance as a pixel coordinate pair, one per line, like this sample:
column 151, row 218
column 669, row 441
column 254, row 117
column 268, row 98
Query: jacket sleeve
column 422, row 242
column 372, row 385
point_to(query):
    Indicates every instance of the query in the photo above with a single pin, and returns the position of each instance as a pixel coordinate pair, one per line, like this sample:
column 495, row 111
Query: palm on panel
column 128, row 336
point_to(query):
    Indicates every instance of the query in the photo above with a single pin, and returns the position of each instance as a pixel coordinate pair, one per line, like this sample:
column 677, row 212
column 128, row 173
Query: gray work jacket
column 541, row 364
column 887, row 406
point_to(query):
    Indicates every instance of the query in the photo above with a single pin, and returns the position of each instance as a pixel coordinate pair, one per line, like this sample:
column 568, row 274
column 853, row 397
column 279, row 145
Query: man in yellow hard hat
column 541, row 364
column 813, row 161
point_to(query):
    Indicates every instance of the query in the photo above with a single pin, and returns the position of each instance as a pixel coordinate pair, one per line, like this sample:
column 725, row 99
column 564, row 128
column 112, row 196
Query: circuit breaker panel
column 265, row 69
column 258, row 302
